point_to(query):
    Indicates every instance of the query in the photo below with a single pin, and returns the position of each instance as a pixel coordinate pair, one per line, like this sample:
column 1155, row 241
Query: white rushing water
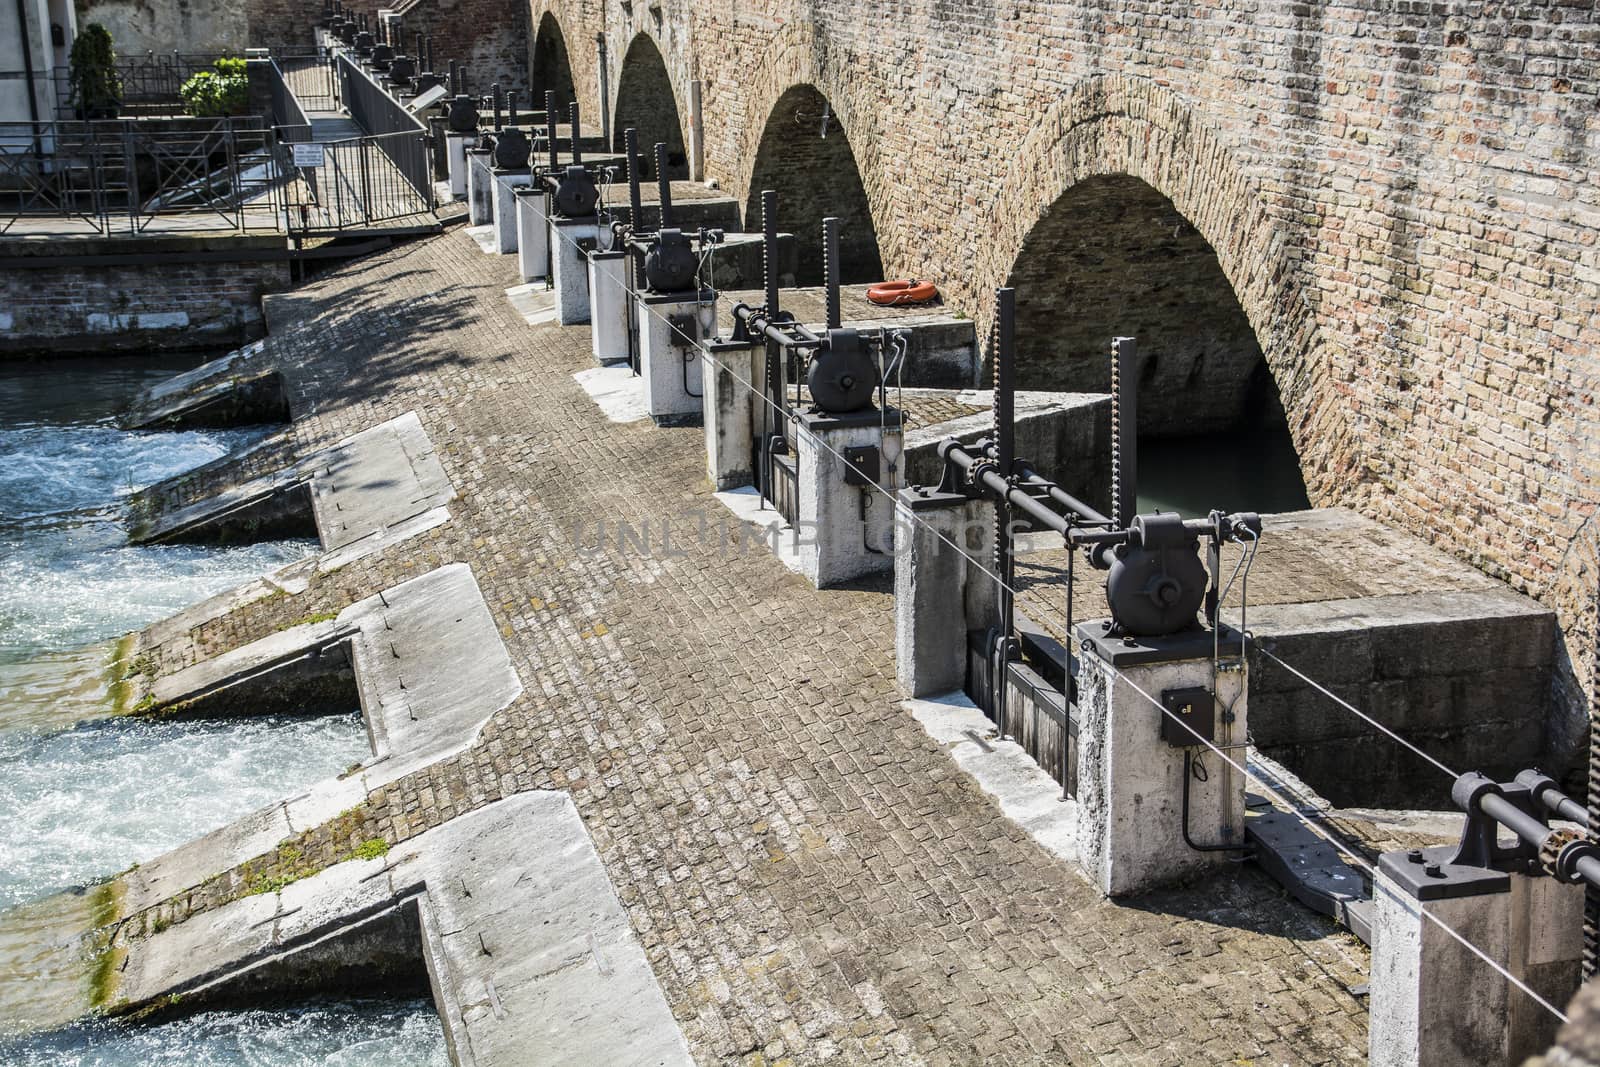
column 323, row 1033
column 85, row 802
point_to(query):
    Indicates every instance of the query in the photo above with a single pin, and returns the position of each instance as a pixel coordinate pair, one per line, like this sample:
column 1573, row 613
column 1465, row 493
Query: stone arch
column 550, row 66
column 1113, row 256
column 805, row 156
column 1117, row 125
column 647, row 102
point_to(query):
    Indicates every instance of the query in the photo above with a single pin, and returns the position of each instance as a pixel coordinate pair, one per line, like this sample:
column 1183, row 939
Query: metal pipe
column 663, row 185
column 769, row 249
column 27, row 74
column 1548, row 794
column 577, row 133
column 952, row 451
column 830, row 271
column 787, row 334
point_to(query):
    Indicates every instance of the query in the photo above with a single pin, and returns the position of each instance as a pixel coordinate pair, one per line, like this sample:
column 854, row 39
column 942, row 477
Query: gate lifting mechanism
column 842, row 370
column 1155, row 581
column 662, row 260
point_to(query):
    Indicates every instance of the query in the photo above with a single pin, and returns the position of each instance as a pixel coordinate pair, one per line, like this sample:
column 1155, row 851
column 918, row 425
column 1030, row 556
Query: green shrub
column 222, row 90
column 92, row 73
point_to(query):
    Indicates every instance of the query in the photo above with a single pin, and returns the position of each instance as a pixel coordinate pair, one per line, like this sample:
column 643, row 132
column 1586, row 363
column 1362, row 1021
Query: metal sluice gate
column 1156, row 584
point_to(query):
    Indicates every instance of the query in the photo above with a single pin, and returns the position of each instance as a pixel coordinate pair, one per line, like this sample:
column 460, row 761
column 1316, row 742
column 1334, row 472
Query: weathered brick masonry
column 1402, row 197
column 136, row 293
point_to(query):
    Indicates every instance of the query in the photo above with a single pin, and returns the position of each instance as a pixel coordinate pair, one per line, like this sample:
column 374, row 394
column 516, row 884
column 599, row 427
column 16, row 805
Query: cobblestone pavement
column 810, row 875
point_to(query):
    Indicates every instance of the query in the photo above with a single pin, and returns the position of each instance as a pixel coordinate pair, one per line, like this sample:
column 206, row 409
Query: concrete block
column 533, row 235
column 571, row 240
column 1434, row 1001
column 727, row 374
column 846, row 531
column 1131, row 782
column 938, row 593
column 608, row 311
column 504, row 202
column 456, row 162
column 671, row 326
column 480, row 183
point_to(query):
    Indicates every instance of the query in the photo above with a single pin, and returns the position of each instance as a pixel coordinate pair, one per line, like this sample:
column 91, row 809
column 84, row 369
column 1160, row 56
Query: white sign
column 307, row 154
column 427, row 99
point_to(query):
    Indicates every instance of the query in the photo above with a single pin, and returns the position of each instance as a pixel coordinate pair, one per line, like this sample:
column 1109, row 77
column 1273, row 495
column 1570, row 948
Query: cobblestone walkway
column 810, row 875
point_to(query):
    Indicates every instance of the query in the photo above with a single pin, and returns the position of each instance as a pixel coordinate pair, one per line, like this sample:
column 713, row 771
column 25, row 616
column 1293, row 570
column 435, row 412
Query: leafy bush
column 92, row 72
column 222, row 90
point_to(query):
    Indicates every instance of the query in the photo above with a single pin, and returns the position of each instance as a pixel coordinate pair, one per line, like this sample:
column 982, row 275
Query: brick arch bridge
column 1402, row 202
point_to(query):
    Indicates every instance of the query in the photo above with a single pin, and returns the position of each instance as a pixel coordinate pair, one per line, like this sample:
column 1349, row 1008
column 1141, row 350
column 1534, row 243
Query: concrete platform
column 943, row 350
column 238, row 389
column 693, row 206
column 574, row 987
column 1436, row 650
column 378, row 486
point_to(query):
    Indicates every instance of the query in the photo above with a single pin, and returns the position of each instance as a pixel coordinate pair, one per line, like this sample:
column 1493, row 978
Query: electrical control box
column 861, row 465
column 1195, row 708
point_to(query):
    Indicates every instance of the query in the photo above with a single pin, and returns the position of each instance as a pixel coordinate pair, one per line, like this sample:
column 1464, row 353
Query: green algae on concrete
column 58, row 958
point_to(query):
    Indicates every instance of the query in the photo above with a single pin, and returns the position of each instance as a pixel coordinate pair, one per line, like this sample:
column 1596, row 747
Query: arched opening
column 645, row 102
column 805, row 157
column 1113, row 257
column 551, row 71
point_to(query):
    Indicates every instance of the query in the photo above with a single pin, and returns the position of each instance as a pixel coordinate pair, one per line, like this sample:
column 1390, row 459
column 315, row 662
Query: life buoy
column 902, row 292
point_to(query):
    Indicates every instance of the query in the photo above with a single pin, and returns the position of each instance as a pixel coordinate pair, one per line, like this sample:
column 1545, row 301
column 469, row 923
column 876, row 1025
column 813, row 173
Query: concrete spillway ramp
column 423, row 658
column 238, row 389
column 377, row 487
column 529, row 953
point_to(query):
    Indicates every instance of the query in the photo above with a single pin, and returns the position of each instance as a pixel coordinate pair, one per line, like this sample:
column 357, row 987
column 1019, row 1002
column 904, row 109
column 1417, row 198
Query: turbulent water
column 386, row 1033
column 85, row 802
column 67, row 574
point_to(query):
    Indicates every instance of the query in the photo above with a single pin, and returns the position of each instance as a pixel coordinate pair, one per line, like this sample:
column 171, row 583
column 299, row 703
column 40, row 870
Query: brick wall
column 814, row 176
column 1401, row 197
column 1113, row 257
column 646, row 101
column 171, row 302
column 551, row 72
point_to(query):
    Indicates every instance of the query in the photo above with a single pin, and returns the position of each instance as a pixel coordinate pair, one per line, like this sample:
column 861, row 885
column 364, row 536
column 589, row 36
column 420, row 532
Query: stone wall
column 815, row 176
column 140, row 26
column 645, row 102
column 1401, row 198
column 142, row 293
column 1114, row 258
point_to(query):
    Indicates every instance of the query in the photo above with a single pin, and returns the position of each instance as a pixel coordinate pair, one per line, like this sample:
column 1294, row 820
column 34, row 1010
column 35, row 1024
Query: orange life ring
column 902, row 292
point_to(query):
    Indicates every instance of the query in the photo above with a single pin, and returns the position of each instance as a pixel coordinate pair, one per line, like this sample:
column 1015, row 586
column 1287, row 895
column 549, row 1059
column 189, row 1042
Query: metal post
column 550, row 128
column 769, row 250
column 830, row 270
column 1005, row 430
column 1124, row 430
column 494, row 94
column 663, row 186
column 577, row 133
column 604, row 77
column 455, row 78
column 630, row 140
column 511, row 108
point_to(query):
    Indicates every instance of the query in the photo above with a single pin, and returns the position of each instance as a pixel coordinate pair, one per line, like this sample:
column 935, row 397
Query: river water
column 84, row 801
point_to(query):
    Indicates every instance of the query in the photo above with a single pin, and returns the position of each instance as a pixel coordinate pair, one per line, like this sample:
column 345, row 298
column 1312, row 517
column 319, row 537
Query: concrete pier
column 573, row 987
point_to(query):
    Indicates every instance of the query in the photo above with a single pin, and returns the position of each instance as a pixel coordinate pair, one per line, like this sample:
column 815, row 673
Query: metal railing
column 355, row 187
column 400, row 135
column 110, row 176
